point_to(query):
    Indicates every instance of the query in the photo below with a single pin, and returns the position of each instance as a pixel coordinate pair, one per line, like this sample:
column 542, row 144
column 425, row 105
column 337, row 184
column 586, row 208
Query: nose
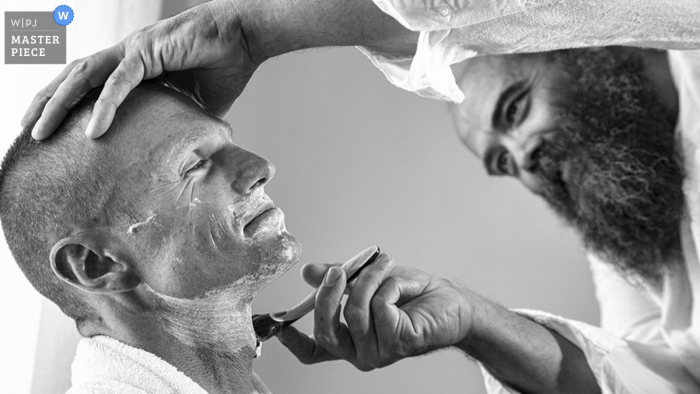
column 251, row 172
column 526, row 157
column 526, row 154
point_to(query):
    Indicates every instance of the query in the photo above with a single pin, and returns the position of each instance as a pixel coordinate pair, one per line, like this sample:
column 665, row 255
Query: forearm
column 526, row 355
column 276, row 27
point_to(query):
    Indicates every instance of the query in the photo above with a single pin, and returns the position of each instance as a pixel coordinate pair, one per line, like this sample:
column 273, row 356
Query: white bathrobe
column 104, row 365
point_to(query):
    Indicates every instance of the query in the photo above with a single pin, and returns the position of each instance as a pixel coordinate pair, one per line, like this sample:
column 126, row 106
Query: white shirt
column 454, row 30
column 649, row 342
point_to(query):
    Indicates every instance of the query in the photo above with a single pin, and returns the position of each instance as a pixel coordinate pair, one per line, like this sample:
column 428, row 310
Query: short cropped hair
column 50, row 188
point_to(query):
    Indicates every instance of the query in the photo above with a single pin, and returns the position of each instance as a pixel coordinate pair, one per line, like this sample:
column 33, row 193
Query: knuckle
column 388, row 258
column 324, row 339
column 354, row 312
column 42, row 96
column 117, row 77
column 377, row 302
column 105, row 102
column 355, row 332
column 75, row 63
column 53, row 104
column 80, row 67
column 392, row 281
column 142, row 36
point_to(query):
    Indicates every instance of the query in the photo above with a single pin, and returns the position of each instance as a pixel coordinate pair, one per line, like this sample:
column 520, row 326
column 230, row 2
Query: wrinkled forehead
column 155, row 122
column 483, row 80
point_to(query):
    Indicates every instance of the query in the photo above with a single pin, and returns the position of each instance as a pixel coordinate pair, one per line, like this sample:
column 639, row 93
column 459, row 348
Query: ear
column 94, row 262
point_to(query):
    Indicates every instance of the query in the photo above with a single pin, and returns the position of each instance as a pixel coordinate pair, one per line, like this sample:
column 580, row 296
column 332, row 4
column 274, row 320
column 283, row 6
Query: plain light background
column 359, row 162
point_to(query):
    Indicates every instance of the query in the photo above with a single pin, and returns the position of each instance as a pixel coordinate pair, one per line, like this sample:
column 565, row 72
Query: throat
column 219, row 321
column 215, row 337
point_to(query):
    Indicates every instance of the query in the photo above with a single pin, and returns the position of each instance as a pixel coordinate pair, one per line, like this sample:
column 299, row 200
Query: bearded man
column 650, row 344
column 597, row 134
column 592, row 131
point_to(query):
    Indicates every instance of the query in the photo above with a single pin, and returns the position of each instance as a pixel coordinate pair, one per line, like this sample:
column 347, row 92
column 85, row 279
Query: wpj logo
column 23, row 22
column 37, row 37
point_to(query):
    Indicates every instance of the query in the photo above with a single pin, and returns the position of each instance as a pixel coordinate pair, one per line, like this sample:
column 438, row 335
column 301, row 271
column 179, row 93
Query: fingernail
column 90, row 129
column 332, row 276
column 35, row 130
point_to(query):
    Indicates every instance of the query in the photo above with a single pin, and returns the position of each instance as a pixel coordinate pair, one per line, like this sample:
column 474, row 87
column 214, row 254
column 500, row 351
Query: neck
column 211, row 339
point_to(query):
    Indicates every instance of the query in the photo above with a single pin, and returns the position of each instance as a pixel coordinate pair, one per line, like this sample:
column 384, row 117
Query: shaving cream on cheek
column 275, row 255
column 195, row 203
column 134, row 228
column 219, row 321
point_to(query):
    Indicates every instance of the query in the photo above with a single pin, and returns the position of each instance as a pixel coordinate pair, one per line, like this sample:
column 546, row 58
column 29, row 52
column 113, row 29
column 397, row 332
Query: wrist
column 471, row 315
column 273, row 27
column 484, row 314
column 238, row 25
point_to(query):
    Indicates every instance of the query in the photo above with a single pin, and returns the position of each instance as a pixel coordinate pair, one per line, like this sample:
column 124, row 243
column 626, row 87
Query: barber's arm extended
column 210, row 53
column 395, row 312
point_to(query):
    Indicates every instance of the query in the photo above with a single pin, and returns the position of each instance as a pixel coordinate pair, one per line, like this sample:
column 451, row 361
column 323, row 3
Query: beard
column 624, row 191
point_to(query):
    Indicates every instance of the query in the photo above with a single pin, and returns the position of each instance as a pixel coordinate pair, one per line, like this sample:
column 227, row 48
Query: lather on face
column 159, row 236
column 205, row 198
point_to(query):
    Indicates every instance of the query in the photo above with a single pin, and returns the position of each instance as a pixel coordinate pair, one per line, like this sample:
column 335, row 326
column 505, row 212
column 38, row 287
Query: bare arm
column 210, row 52
column 526, row 355
column 398, row 312
column 282, row 26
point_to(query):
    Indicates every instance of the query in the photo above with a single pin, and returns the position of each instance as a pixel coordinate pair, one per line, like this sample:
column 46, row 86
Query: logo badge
column 63, row 15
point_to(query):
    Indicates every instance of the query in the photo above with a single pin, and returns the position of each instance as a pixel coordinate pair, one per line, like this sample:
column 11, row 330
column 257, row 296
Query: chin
column 276, row 255
column 289, row 251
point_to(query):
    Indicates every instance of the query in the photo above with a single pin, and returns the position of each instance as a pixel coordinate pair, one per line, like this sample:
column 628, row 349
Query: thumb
column 313, row 274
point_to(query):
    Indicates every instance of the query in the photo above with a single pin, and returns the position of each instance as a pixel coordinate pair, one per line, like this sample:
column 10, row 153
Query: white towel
column 104, row 365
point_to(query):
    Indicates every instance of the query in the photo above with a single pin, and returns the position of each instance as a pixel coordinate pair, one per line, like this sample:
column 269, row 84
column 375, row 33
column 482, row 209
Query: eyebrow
column 196, row 134
column 504, row 96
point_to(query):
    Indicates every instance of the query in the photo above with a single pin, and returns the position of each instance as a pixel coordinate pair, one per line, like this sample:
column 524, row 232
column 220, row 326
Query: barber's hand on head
column 202, row 52
column 391, row 313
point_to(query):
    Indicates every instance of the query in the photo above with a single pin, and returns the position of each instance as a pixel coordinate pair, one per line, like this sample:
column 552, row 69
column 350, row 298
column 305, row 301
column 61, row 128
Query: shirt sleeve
column 620, row 366
column 628, row 311
column 454, row 30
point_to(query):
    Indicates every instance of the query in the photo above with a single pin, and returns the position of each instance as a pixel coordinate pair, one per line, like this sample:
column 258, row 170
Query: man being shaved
column 154, row 240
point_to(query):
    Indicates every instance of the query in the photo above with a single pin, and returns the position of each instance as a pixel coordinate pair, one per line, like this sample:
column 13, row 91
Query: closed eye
column 200, row 164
